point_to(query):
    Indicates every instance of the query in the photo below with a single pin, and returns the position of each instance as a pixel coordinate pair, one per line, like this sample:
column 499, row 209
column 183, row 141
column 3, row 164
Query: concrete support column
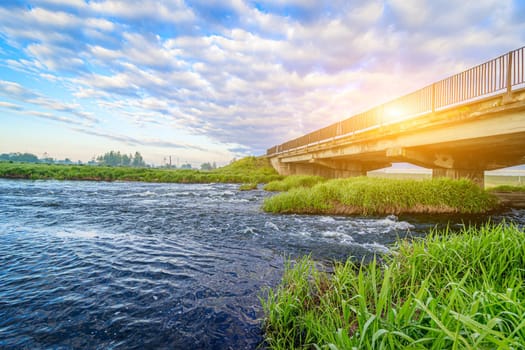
column 475, row 175
column 282, row 168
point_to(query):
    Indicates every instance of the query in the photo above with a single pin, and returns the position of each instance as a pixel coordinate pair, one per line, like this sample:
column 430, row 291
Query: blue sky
column 214, row 80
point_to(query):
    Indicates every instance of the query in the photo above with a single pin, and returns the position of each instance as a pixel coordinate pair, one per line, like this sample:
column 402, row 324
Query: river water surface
column 93, row 265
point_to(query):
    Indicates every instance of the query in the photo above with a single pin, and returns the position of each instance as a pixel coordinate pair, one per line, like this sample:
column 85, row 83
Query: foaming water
column 132, row 265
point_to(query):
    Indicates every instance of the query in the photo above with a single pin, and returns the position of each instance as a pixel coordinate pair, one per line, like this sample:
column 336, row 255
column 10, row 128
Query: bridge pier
column 475, row 175
column 451, row 165
column 454, row 166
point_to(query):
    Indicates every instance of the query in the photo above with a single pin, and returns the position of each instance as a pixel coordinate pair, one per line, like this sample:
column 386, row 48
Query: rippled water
column 133, row 265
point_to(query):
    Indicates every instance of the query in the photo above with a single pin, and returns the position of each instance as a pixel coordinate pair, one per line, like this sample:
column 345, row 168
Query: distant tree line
column 208, row 166
column 19, row 157
column 31, row 158
column 113, row 158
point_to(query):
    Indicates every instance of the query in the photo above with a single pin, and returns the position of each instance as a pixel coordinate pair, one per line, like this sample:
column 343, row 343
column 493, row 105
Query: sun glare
column 393, row 113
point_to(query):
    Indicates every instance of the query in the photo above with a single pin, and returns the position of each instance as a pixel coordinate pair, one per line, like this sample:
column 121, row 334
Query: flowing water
column 90, row 265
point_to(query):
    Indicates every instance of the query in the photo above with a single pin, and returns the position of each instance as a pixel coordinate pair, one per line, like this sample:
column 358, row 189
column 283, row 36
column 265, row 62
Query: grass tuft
column 446, row 291
column 373, row 196
column 248, row 186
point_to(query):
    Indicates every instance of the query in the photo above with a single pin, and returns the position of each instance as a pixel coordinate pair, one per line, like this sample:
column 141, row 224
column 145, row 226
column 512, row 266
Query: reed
column 447, row 291
column 373, row 196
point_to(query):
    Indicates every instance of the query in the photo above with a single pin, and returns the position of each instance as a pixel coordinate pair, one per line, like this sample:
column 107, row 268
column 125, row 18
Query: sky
column 210, row 81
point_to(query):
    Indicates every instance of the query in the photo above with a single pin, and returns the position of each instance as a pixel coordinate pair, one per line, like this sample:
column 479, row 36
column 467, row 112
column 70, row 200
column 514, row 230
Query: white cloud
column 172, row 11
column 49, row 116
column 15, row 90
column 55, row 57
column 101, row 24
column 18, row 92
column 132, row 141
column 79, row 4
column 11, row 106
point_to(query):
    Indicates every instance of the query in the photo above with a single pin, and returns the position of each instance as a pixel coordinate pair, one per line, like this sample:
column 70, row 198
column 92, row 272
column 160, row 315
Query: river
column 95, row 265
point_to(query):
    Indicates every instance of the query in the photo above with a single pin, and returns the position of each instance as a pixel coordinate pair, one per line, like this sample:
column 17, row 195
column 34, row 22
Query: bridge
column 459, row 127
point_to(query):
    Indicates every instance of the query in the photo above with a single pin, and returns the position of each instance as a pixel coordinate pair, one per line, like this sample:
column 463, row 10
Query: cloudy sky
column 212, row 80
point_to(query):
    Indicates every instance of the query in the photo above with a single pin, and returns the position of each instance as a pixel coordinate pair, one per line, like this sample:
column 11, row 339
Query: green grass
column 293, row 181
column 508, row 188
column 490, row 180
column 400, row 175
column 372, row 196
column 246, row 170
column 248, row 187
column 446, row 291
column 498, row 180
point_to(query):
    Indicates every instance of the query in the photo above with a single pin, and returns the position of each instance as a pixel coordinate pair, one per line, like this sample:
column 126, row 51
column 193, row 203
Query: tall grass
column 293, row 181
column 447, row 291
column 368, row 196
column 246, row 170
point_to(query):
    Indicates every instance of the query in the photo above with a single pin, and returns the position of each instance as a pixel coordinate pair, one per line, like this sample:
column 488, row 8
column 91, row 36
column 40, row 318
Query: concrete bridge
column 458, row 127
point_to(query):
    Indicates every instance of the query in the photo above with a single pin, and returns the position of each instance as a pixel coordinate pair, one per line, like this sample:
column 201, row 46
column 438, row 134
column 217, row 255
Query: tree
column 138, row 161
column 206, row 166
column 126, row 160
column 113, row 158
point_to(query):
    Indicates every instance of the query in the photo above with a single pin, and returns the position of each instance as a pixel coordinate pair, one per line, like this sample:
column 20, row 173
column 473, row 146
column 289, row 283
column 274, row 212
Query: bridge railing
column 518, row 68
column 497, row 76
column 480, row 81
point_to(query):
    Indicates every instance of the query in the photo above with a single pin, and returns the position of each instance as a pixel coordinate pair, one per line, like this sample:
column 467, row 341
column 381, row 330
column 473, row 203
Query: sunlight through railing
column 501, row 75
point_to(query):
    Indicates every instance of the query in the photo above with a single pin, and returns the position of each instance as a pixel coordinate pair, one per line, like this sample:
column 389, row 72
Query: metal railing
column 498, row 76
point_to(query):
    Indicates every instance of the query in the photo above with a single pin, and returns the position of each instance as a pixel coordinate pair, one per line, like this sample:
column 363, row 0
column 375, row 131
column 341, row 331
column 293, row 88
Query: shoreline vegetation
column 445, row 291
column 377, row 196
column 246, row 170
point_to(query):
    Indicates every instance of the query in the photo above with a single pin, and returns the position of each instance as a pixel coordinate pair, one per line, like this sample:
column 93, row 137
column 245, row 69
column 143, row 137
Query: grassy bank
column 371, row 196
column 246, row 170
column 447, row 291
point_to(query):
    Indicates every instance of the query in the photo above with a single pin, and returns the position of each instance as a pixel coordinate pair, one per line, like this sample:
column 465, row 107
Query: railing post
column 433, row 97
column 509, row 73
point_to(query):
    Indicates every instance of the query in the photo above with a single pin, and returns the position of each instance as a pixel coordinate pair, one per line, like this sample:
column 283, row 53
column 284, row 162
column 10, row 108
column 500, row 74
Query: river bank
column 246, row 170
